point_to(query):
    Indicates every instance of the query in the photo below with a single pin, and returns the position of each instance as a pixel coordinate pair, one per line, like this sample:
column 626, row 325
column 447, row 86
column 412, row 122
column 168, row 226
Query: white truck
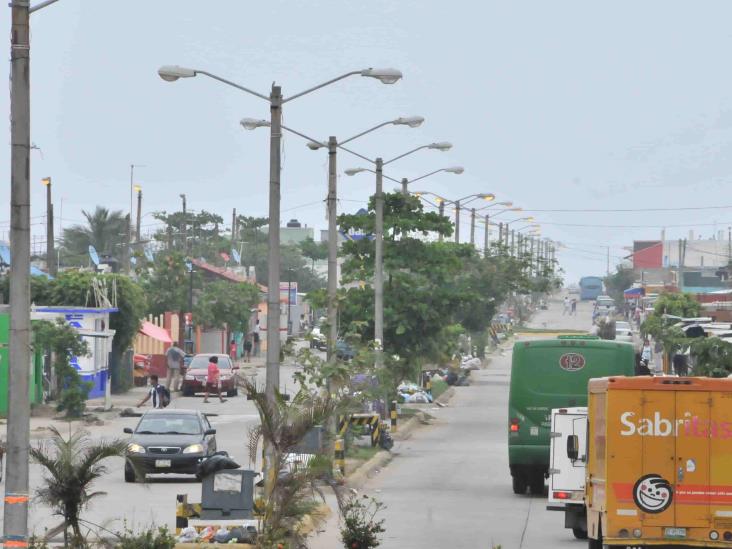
column 567, row 475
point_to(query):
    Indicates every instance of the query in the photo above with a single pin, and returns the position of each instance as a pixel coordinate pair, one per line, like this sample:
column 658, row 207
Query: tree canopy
column 105, row 230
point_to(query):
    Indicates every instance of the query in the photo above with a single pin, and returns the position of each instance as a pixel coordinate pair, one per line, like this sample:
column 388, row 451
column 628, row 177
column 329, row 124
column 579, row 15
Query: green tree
column 202, row 231
column 314, row 251
column 226, row 304
column 712, row 357
column 677, row 304
column 63, row 342
column 618, row 282
column 105, row 230
column 71, row 467
column 166, row 285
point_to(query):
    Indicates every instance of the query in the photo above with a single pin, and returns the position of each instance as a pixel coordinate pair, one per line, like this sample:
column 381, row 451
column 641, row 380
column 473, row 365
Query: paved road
column 449, row 485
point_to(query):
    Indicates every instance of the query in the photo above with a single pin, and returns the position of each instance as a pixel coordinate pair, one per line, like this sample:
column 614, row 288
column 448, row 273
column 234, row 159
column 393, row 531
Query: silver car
column 623, row 331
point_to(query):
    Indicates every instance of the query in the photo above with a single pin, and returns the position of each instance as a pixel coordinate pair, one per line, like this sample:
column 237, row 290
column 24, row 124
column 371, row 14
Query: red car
column 197, row 371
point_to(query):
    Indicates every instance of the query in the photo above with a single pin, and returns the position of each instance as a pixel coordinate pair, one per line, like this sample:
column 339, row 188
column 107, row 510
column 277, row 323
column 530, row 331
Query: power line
column 600, row 210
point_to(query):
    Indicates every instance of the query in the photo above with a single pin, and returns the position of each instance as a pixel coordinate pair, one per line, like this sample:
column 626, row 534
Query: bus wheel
column 537, row 484
column 519, row 484
column 579, row 533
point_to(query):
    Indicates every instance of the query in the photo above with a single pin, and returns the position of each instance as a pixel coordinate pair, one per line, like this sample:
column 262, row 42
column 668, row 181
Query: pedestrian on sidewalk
column 213, row 379
column 647, row 351
column 566, row 306
column 247, row 349
column 574, row 307
column 233, row 350
column 174, row 358
column 157, row 393
column 255, row 338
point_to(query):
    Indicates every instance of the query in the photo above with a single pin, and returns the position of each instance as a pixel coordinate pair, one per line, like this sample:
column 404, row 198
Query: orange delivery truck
column 659, row 462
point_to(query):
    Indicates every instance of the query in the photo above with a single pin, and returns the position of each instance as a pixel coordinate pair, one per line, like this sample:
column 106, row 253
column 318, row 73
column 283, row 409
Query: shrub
column 360, row 528
column 153, row 538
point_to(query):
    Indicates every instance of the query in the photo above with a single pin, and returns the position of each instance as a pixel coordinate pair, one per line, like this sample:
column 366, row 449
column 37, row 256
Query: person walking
column 574, row 307
column 646, row 351
column 213, row 379
column 233, row 351
column 255, row 338
column 174, row 358
column 247, row 349
column 566, row 306
column 157, row 393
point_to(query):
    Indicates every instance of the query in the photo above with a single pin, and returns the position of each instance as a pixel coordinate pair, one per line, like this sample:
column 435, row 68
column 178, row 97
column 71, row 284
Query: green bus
column 547, row 374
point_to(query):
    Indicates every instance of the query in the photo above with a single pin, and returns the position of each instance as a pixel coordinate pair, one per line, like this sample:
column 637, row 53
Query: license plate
column 675, row 533
column 162, row 463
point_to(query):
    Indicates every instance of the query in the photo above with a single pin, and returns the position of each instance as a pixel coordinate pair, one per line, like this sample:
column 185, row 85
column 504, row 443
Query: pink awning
column 156, row 332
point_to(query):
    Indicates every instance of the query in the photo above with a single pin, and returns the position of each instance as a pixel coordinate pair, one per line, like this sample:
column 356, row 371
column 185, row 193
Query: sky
column 565, row 105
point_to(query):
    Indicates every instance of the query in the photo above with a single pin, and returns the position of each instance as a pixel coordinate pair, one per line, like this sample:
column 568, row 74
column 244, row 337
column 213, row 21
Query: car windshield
column 155, row 424
column 200, row 362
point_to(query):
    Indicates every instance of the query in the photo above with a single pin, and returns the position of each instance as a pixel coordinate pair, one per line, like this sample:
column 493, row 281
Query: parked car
column 605, row 305
column 623, row 331
column 344, row 351
column 197, row 371
column 318, row 339
column 168, row 441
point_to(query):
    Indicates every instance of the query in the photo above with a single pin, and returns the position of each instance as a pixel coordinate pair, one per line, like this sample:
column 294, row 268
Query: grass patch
column 361, row 452
column 438, row 387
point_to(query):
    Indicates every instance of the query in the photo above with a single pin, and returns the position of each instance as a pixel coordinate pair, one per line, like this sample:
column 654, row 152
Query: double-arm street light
column 333, row 145
column 276, row 102
column 508, row 230
column 453, row 169
column 379, row 164
column 459, row 203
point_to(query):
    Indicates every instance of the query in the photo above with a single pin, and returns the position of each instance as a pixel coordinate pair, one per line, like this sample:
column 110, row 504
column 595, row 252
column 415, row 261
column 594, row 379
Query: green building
column 35, row 369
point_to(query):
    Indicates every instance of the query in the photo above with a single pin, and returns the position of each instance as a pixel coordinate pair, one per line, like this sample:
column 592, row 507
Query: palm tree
column 72, row 465
column 104, row 230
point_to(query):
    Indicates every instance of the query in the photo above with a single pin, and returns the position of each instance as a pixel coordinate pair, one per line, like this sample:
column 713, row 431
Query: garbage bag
column 216, row 462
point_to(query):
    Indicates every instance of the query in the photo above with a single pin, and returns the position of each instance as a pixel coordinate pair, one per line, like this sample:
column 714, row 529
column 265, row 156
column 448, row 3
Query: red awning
column 156, row 332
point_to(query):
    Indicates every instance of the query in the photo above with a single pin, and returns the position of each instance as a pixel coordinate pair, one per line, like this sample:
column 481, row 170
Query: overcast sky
column 552, row 105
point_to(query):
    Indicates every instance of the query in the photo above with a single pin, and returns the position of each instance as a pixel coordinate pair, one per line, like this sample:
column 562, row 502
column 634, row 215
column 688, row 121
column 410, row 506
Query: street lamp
column 463, row 202
column 51, row 260
column 333, row 145
column 276, row 101
column 138, row 190
column 453, row 169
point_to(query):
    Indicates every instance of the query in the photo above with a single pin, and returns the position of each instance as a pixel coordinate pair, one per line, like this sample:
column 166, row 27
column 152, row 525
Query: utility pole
column 485, row 237
column 332, row 204
column 531, row 255
column 513, row 240
column 608, row 260
column 442, row 214
column 51, row 262
column 379, row 265
column 457, row 222
column 472, row 226
column 184, row 227
column 233, row 228
column 405, row 183
column 138, row 221
column 500, row 233
column 126, row 259
column 15, row 523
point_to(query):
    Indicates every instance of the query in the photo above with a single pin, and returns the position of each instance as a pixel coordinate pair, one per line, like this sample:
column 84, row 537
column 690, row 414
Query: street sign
column 93, row 255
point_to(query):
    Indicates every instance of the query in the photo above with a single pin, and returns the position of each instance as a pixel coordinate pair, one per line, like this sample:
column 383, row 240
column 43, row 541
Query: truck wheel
column 536, row 484
column 596, row 543
column 519, row 485
column 187, row 391
column 234, row 392
column 579, row 533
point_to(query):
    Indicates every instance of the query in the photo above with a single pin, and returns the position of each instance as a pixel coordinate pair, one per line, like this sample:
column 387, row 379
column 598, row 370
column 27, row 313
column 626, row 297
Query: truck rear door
column 567, row 480
column 692, row 474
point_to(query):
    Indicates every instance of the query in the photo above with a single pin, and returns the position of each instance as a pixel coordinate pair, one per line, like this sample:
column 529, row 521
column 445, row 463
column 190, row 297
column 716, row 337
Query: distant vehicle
column 344, row 351
column 197, row 372
column 547, row 374
column 623, row 331
column 168, row 441
column 318, row 339
column 566, row 474
column 573, row 289
column 605, row 305
column 590, row 287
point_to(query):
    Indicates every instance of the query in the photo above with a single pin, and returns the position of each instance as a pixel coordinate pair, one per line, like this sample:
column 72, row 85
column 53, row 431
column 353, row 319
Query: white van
column 566, row 475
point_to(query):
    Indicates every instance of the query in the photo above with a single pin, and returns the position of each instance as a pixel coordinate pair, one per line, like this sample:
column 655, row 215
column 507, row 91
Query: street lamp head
column 253, row 123
column 137, row 188
column 386, row 76
column 517, row 209
column 507, row 204
column 46, row 181
column 530, row 218
column 171, row 73
column 455, row 169
column 314, row 145
column 441, row 146
column 439, row 200
column 487, row 196
column 354, row 171
column 411, row 121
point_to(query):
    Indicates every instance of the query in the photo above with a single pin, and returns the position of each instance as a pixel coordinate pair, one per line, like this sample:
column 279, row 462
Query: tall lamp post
column 379, row 164
column 276, row 102
column 51, row 260
column 458, row 204
column 138, row 221
column 333, row 145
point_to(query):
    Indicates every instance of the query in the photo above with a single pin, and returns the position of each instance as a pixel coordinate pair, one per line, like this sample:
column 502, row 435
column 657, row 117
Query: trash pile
column 412, row 393
column 211, row 534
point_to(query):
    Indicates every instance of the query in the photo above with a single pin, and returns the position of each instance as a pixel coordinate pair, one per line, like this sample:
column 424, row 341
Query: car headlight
column 190, row 377
column 193, row 449
column 133, row 448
